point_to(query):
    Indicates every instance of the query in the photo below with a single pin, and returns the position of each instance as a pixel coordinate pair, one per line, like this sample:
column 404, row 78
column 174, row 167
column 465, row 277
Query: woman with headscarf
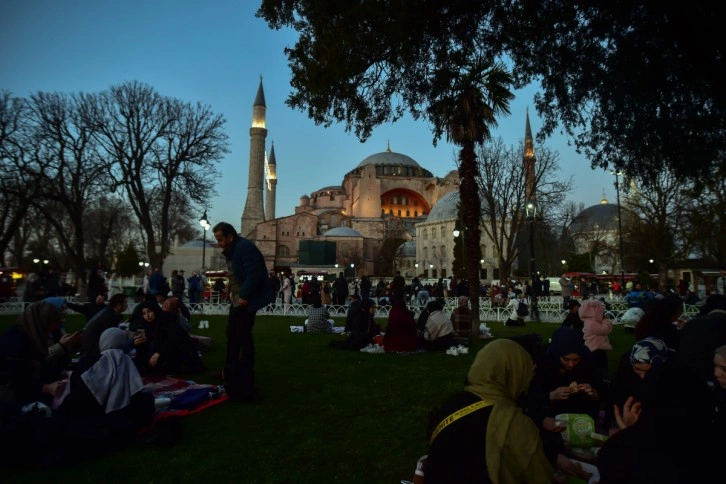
column 511, row 450
column 168, row 349
column 461, row 317
column 634, row 365
column 318, row 320
column 110, row 385
column 362, row 328
column 668, row 437
column 568, row 377
column 26, row 375
column 401, row 334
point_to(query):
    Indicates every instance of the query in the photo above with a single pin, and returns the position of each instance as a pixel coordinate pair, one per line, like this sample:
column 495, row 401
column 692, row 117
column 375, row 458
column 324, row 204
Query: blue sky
column 214, row 53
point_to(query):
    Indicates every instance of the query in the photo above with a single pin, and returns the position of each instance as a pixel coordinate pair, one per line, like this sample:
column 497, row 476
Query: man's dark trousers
column 239, row 339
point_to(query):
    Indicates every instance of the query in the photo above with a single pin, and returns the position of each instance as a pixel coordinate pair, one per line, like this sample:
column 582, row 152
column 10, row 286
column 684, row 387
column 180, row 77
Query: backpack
column 522, row 309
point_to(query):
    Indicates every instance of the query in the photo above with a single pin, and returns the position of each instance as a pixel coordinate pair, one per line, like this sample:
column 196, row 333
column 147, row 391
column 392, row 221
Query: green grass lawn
column 327, row 415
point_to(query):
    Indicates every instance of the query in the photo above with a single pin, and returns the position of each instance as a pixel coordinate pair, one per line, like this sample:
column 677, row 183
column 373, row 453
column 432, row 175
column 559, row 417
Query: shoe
column 452, row 351
column 462, row 350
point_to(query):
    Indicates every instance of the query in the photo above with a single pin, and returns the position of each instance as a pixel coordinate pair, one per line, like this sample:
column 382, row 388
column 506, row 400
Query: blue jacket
column 248, row 275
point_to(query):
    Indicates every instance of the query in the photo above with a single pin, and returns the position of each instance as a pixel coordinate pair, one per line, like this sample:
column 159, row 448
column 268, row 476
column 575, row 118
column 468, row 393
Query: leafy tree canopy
column 636, row 85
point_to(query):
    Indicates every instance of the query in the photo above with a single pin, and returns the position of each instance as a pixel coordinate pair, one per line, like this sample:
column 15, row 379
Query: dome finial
column 389, row 146
column 604, row 200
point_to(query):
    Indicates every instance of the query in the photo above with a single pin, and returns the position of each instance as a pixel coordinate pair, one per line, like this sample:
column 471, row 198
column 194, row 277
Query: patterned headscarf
column 652, row 351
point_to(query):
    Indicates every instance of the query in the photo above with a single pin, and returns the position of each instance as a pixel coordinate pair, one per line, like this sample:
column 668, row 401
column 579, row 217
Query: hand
column 550, row 424
column 154, row 359
column 139, row 339
column 590, row 391
column 55, row 389
column 561, row 393
column 71, row 341
column 243, row 301
column 629, row 415
column 571, row 468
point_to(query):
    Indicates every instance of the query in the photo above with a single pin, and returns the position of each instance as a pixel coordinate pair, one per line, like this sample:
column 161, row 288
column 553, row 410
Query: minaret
column 271, row 170
column 253, row 212
column 529, row 159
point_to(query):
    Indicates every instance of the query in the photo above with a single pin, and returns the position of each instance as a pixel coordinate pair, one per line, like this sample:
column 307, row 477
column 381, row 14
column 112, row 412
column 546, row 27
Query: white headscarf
column 113, row 379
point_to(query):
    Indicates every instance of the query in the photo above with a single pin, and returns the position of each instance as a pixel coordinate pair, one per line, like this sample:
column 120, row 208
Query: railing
column 550, row 309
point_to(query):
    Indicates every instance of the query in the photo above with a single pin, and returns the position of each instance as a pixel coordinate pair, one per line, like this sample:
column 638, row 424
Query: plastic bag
column 579, row 426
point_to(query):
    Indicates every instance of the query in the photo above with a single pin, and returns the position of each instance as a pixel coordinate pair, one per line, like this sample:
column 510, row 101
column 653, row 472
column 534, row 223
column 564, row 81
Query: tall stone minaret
column 254, row 210
column 271, row 185
column 529, row 160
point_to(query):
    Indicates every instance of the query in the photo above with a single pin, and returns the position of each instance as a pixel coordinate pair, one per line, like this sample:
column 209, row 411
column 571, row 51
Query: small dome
column 446, row 208
column 603, row 216
column 342, row 232
column 407, row 249
column 389, row 158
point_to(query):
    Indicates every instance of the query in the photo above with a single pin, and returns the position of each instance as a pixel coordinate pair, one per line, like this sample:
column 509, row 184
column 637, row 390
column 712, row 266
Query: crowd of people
column 661, row 410
column 90, row 381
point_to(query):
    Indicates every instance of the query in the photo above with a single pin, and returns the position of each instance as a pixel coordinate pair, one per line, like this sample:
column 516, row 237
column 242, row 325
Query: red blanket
column 168, row 389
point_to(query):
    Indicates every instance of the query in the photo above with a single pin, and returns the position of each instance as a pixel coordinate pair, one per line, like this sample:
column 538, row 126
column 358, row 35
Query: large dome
column 389, row 158
column 446, row 208
column 603, row 216
column 342, row 232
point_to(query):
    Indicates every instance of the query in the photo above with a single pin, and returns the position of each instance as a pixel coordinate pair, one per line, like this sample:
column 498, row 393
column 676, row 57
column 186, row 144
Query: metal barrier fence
column 550, row 309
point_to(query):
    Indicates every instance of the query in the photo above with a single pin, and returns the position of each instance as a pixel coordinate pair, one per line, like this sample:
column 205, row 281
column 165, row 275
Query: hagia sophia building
column 385, row 195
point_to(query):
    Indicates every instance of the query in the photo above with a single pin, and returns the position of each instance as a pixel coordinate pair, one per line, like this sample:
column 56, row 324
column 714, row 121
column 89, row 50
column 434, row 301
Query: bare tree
column 74, row 170
column 502, row 187
column 160, row 146
column 660, row 223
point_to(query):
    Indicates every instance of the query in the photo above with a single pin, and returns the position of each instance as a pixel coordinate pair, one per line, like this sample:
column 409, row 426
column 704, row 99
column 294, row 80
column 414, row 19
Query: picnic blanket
column 176, row 397
column 299, row 329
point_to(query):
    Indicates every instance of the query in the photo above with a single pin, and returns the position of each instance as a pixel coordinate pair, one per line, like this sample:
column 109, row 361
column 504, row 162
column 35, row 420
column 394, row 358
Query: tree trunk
column 471, row 213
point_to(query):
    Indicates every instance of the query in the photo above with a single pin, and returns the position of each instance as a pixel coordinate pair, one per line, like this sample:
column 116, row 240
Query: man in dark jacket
column 89, row 309
column 249, row 290
column 110, row 317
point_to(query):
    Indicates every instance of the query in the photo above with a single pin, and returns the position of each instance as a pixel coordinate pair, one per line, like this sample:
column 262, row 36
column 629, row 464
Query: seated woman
column 568, row 376
column 167, row 349
column 110, row 385
column 461, row 317
column 668, row 437
column 26, row 374
column 318, row 318
column 492, row 441
column 439, row 332
column 401, row 333
column 362, row 328
column 628, row 379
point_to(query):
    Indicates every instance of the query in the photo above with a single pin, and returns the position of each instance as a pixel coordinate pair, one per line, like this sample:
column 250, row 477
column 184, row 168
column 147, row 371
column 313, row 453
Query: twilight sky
column 214, row 53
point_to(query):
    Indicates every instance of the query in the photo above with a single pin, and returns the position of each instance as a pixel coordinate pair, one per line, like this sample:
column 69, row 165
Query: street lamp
column 531, row 211
column 618, row 174
column 204, row 223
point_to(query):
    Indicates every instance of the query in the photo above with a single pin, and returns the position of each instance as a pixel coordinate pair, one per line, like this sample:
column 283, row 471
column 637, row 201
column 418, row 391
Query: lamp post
column 205, row 224
column 531, row 211
column 618, row 174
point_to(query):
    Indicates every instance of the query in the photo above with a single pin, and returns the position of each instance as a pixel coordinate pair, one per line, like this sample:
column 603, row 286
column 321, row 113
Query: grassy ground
column 327, row 415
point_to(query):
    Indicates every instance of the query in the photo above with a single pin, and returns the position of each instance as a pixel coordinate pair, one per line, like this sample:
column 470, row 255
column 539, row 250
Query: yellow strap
column 459, row 414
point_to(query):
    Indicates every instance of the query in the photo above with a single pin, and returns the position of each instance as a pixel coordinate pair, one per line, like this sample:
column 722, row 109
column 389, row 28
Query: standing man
column 566, row 290
column 249, row 290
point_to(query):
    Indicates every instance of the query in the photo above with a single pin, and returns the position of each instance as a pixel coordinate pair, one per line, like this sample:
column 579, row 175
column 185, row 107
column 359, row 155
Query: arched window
column 399, row 213
column 483, row 250
column 433, row 232
column 433, row 252
column 426, row 252
column 443, row 252
column 283, row 251
column 425, row 234
column 415, row 213
column 408, row 213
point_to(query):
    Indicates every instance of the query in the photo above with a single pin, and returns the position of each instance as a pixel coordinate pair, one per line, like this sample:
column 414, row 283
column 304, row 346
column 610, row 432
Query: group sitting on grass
column 660, row 414
column 88, row 382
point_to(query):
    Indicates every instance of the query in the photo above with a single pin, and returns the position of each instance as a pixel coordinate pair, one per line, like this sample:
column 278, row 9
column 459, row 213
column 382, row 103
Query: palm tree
column 469, row 100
